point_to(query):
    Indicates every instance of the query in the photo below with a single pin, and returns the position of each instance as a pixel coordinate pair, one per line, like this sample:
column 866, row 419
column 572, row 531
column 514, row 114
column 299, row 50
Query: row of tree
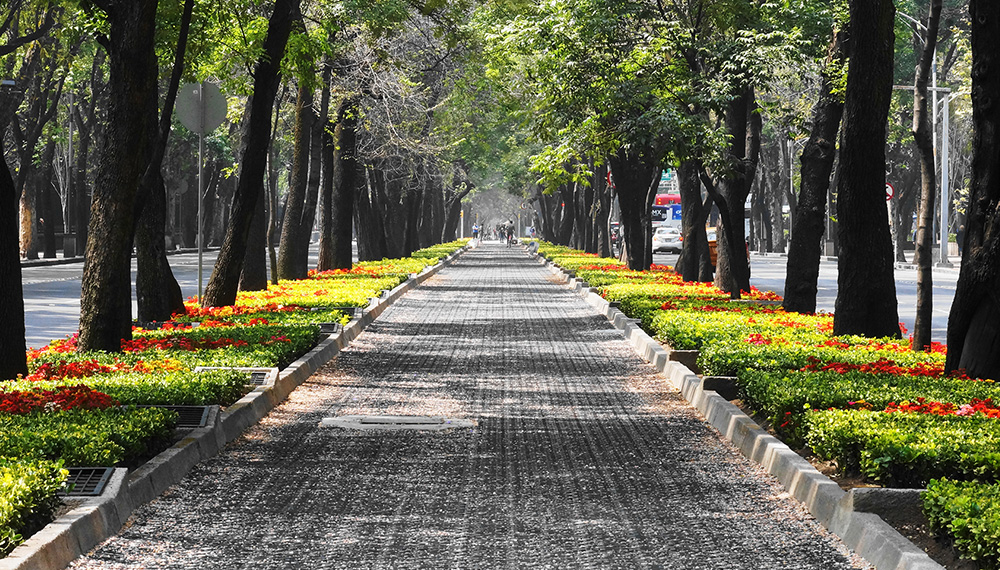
column 701, row 87
column 340, row 113
column 388, row 113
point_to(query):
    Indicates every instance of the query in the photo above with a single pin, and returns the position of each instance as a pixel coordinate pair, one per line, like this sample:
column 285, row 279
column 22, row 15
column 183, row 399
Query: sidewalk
column 582, row 457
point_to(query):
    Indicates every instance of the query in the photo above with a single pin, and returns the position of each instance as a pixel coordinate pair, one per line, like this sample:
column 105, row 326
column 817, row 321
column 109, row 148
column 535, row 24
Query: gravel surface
column 581, row 457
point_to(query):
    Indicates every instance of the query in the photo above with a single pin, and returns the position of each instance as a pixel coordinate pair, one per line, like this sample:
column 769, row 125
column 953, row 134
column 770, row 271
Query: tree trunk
column 923, row 136
column 222, row 286
column 157, row 292
column 694, row 263
column 12, row 344
column 340, row 149
column 368, row 220
column 106, row 293
column 635, row 174
column 973, row 332
column 743, row 123
column 254, row 275
column 293, row 224
column 158, row 296
column 806, row 248
column 866, row 289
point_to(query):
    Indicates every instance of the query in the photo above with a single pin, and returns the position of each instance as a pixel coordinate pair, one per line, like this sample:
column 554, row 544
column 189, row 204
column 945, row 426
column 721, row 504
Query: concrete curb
column 867, row 534
column 95, row 519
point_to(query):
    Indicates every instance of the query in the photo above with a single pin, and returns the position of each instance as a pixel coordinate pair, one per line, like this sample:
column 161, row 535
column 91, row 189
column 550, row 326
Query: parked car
column 667, row 239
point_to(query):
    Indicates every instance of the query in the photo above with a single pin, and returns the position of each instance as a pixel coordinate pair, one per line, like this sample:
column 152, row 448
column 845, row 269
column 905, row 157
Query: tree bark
column 12, row 344
column 806, row 248
column 973, row 331
column 293, row 226
column 158, row 295
column 340, row 149
column 923, row 137
column 694, row 262
column 743, row 123
column 635, row 173
column 866, row 289
column 368, row 220
column 106, row 294
column 222, row 286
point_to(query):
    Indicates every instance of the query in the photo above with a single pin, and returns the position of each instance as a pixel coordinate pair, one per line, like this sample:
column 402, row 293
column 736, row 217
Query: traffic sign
column 889, row 191
column 201, row 107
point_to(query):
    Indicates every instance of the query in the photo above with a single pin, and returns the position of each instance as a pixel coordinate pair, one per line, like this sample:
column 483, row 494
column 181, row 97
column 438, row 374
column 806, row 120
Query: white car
column 667, row 239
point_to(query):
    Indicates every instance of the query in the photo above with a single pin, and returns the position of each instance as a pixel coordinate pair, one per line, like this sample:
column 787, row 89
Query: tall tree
column 818, row 155
column 12, row 345
column 866, row 292
column 106, row 296
column 974, row 321
column 923, row 137
column 222, row 287
column 158, row 295
column 340, row 182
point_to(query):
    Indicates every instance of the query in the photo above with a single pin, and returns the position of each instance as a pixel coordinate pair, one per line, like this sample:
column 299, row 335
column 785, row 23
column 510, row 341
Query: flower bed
column 78, row 409
column 874, row 406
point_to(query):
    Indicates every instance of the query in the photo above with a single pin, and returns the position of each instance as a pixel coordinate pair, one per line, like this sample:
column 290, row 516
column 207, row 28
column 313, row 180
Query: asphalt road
column 52, row 293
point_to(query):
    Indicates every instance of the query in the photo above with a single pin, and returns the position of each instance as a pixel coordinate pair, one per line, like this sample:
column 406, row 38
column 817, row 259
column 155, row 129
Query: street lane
column 768, row 273
column 52, row 292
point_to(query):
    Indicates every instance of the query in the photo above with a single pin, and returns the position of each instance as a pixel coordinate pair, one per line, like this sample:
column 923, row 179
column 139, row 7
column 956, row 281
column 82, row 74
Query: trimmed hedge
column 906, row 450
column 91, row 438
column 969, row 513
column 27, row 498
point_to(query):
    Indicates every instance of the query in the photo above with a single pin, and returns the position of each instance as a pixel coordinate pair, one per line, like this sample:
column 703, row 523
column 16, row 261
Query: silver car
column 667, row 239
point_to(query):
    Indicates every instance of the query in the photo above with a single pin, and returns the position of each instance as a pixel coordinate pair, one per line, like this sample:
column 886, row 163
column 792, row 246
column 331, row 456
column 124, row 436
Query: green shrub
column 27, row 498
column 732, row 358
column 87, row 438
column 222, row 387
column 906, row 449
column 780, row 392
column 969, row 513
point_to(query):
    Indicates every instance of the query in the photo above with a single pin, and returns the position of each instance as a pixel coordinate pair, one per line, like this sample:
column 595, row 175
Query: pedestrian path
column 581, row 456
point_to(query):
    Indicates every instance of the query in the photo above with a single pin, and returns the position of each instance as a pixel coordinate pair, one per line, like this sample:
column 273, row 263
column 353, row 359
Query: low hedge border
column 98, row 518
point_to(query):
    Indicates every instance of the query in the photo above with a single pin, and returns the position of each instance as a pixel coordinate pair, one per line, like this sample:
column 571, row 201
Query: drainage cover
column 188, row 416
column 258, row 378
column 87, row 481
column 422, row 423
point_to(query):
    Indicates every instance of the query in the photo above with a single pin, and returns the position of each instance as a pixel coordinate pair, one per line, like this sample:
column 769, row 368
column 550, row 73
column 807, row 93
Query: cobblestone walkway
column 581, row 456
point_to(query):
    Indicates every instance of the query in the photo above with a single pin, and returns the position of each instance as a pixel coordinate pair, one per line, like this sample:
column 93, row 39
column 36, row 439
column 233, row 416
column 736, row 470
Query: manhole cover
column 421, row 423
column 87, row 481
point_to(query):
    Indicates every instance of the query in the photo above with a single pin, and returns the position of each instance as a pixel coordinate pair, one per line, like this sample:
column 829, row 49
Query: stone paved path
column 581, row 456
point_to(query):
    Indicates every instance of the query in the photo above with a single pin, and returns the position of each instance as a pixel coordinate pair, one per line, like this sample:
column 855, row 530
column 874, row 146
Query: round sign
column 201, row 107
column 889, row 191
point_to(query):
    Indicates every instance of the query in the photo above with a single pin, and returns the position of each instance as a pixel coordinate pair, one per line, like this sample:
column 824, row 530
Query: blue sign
column 675, row 212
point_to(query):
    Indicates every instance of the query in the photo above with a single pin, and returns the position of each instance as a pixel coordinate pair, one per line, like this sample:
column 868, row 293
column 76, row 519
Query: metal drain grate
column 419, row 423
column 258, row 378
column 87, row 481
column 189, row 416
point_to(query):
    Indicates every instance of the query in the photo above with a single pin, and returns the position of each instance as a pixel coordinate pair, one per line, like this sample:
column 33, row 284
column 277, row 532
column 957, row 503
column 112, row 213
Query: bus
column 666, row 211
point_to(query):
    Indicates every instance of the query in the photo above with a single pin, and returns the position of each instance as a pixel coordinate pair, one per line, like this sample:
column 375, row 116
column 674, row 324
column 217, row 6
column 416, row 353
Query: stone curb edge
column 96, row 519
column 865, row 533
